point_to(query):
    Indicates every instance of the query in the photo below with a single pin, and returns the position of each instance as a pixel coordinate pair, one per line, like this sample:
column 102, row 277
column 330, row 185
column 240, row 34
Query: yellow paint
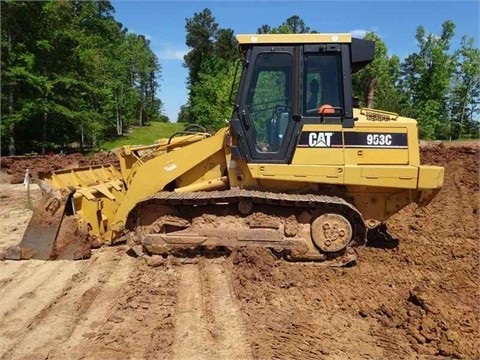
column 315, row 156
column 293, row 38
column 430, row 177
column 359, row 156
column 153, row 175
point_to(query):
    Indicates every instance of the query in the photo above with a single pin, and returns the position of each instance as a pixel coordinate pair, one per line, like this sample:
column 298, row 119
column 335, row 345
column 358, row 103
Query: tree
column 385, row 70
column 184, row 114
column 293, row 25
column 210, row 63
column 163, row 118
column 426, row 79
column 72, row 73
column 211, row 107
column 19, row 25
column 200, row 29
column 465, row 92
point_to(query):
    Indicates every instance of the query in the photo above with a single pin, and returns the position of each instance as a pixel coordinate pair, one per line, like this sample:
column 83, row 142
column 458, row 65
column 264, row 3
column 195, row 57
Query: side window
column 322, row 81
column 269, row 100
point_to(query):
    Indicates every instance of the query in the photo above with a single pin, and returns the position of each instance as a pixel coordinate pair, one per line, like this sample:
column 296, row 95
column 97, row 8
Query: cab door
column 266, row 104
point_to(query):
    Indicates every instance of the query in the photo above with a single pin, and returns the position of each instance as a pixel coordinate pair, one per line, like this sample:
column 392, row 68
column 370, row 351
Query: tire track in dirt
column 56, row 321
column 11, row 268
column 18, row 312
column 227, row 318
column 208, row 321
column 134, row 316
column 17, row 274
column 77, row 344
column 190, row 327
column 27, row 286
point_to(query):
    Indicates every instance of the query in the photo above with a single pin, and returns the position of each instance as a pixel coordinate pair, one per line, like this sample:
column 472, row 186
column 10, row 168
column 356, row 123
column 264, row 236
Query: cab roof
column 362, row 51
column 336, row 38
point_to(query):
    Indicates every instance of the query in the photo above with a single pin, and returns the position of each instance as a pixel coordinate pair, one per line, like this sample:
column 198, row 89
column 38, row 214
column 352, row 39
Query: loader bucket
column 57, row 229
column 44, row 239
column 41, row 232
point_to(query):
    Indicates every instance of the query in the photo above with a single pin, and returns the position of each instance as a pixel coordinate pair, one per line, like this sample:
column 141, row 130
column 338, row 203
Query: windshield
column 322, row 82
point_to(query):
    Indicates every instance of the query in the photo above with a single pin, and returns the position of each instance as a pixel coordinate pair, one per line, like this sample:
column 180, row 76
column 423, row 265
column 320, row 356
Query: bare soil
column 16, row 166
column 417, row 301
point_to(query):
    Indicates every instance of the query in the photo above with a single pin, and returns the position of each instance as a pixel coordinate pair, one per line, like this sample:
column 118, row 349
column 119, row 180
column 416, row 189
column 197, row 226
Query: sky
column 163, row 23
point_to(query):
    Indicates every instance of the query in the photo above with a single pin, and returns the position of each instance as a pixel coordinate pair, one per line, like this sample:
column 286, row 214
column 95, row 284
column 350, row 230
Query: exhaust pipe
column 370, row 92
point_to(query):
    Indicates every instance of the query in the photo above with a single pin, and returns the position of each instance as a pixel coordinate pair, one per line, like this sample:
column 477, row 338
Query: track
column 169, row 223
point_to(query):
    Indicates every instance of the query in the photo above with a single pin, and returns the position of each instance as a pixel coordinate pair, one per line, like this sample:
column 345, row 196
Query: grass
column 144, row 135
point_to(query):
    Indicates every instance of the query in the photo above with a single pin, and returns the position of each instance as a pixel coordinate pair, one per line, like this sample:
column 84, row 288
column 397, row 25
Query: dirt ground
column 417, row 301
column 16, row 166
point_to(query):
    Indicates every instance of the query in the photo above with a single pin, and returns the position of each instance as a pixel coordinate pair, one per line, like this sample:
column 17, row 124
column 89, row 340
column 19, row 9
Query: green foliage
column 164, row 119
column 465, row 92
column 184, row 114
column 201, row 30
column 211, row 107
column 426, row 80
column 144, row 135
column 384, row 69
column 211, row 67
column 72, row 74
column 439, row 88
column 293, row 25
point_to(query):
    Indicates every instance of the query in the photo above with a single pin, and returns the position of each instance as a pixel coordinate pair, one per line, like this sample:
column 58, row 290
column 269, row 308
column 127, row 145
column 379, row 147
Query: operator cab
column 290, row 80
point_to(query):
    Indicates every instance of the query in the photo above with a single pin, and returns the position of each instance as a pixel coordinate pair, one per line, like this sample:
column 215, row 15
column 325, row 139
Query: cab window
column 322, row 82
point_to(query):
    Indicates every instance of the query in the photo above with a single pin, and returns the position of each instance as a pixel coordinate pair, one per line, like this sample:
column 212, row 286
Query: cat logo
column 319, row 139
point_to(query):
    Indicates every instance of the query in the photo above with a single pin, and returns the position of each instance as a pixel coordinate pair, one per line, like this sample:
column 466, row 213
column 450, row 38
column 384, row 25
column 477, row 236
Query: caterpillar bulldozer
column 299, row 169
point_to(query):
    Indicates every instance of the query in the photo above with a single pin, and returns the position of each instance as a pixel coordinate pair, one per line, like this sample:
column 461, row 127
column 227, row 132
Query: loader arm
column 155, row 174
column 93, row 203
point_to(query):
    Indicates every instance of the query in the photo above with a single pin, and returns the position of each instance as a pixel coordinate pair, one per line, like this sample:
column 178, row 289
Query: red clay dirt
column 421, row 298
column 417, row 301
column 16, row 166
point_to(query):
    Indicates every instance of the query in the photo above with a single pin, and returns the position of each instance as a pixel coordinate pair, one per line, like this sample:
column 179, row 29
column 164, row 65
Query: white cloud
column 171, row 54
column 358, row 33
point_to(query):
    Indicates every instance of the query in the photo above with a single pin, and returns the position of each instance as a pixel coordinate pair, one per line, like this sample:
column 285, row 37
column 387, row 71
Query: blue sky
column 163, row 22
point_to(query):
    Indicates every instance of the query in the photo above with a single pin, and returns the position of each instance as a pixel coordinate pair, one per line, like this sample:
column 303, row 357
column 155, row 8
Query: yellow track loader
column 299, row 169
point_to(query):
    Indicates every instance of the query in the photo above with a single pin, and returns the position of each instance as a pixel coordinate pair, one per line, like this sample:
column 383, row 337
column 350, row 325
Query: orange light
column 326, row 109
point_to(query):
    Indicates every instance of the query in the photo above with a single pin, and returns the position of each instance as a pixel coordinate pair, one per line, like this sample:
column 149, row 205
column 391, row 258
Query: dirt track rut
column 114, row 306
column 50, row 306
column 208, row 321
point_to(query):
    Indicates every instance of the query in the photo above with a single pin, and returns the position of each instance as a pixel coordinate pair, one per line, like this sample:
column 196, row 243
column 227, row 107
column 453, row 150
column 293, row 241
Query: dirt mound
column 256, row 264
column 420, row 298
column 72, row 241
column 17, row 165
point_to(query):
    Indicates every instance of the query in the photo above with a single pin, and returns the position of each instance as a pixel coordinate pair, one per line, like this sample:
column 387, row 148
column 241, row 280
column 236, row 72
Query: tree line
column 437, row 85
column 72, row 74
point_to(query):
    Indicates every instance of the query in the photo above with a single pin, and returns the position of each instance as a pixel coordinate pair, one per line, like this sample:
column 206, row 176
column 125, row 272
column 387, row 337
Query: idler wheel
column 331, row 232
